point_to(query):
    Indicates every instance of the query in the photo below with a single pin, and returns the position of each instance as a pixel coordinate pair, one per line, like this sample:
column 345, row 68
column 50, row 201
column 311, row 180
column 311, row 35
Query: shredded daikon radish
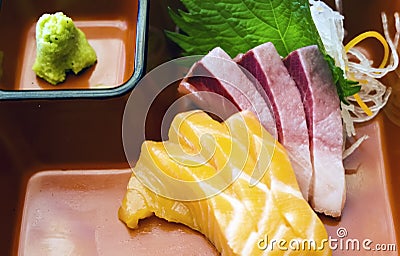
column 373, row 95
column 354, row 146
column 370, row 34
column 339, row 6
column 330, row 28
column 347, row 119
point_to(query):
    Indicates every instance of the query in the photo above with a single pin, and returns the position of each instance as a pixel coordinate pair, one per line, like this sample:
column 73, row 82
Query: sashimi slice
column 216, row 72
column 313, row 77
column 241, row 219
column 265, row 64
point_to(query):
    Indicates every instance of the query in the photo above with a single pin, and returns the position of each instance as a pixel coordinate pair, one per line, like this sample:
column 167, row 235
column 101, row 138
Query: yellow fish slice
column 245, row 194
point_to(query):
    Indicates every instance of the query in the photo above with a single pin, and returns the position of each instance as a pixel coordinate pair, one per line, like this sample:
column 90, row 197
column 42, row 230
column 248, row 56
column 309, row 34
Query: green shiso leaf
column 344, row 87
column 239, row 25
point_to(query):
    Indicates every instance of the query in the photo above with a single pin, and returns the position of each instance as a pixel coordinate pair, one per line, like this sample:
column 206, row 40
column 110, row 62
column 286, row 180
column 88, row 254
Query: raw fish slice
column 216, row 72
column 239, row 218
column 313, row 77
column 265, row 64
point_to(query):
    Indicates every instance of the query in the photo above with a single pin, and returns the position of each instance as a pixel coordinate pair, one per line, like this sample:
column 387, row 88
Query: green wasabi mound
column 60, row 48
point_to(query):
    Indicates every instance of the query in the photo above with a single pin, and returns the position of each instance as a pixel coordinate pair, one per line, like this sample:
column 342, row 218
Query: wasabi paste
column 60, row 47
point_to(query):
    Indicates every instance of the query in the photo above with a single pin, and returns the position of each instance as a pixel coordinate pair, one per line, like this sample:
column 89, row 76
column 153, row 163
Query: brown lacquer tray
column 63, row 171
